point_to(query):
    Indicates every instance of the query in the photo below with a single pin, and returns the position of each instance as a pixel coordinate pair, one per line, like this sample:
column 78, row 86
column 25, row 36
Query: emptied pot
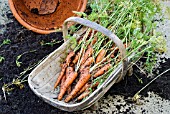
column 45, row 16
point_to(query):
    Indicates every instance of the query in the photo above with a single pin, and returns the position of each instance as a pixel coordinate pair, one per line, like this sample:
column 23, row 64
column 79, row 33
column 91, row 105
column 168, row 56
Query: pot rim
column 28, row 26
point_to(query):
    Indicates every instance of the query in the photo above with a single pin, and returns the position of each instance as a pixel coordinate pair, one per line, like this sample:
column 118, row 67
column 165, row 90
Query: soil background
column 24, row 101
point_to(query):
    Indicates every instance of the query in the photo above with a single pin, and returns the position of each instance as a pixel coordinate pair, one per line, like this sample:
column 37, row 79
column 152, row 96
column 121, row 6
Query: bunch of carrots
column 95, row 56
column 85, row 65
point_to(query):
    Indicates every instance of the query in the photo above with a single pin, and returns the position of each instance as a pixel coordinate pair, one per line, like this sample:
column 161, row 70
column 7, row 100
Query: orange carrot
column 80, row 40
column 60, row 75
column 95, row 85
column 69, row 56
column 104, row 60
column 86, row 90
column 68, row 60
column 94, row 41
column 112, row 55
column 63, row 80
column 69, row 90
column 69, row 80
column 85, row 87
column 71, row 65
column 62, row 83
column 68, row 71
column 101, row 55
column 76, row 58
column 87, row 54
column 116, row 49
column 102, row 70
column 83, row 95
column 84, row 77
column 88, row 62
column 91, row 31
column 89, row 34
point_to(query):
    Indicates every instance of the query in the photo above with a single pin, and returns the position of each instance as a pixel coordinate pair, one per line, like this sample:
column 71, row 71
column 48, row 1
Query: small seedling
column 5, row 42
column 80, row 14
column 7, row 87
column 136, row 97
column 18, row 82
column 139, row 79
column 1, row 59
column 18, row 63
column 51, row 43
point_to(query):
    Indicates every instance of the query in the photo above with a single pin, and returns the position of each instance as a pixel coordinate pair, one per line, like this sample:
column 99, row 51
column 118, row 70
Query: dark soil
column 130, row 85
column 24, row 101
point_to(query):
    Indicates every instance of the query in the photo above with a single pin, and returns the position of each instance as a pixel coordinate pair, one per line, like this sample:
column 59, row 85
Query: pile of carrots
column 90, row 60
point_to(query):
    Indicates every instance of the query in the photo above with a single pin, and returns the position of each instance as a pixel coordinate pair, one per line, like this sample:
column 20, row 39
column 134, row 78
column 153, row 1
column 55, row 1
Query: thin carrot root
column 80, row 40
column 84, row 77
column 91, row 33
column 63, row 80
column 75, row 60
column 62, row 84
column 95, row 85
column 83, row 95
column 85, row 90
column 94, row 41
column 69, row 90
column 64, row 66
column 60, row 75
column 69, row 80
column 116, row 49
column 101, row 55
column 102, row 70
column 88, row 62
column 68, row 71
column 85, row 87
column 71, row 65
column 87, row 54
column 68, row 58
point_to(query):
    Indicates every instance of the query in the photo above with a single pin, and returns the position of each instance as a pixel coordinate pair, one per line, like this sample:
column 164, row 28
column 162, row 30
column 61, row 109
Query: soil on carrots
column 24, row 101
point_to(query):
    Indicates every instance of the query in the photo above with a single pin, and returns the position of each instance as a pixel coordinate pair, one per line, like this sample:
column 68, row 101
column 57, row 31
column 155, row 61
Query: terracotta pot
column 45, row 16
